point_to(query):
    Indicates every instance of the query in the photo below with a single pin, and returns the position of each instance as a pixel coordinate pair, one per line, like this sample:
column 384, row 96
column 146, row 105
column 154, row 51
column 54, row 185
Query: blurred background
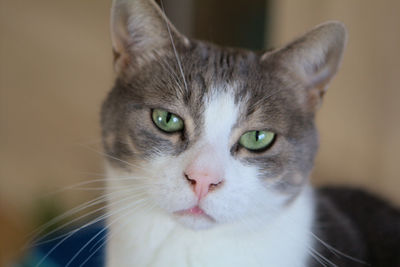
column 56, row 68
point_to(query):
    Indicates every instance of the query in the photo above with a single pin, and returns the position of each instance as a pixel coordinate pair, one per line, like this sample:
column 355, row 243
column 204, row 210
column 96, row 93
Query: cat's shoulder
column 359, row 223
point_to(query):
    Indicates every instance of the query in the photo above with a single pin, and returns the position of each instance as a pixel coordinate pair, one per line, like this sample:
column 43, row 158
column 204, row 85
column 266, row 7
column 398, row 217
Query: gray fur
column 275, row 94
column 278, row 90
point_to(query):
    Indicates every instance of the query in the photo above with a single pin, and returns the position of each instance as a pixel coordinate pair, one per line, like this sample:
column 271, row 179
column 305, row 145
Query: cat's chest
column 155, row 240
column 251, row 250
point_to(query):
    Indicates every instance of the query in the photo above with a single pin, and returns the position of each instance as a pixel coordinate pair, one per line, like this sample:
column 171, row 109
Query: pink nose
column 205, row 172
column 203, row 182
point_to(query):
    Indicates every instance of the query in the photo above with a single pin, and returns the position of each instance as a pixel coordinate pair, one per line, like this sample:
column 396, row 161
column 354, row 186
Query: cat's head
column 208, row 134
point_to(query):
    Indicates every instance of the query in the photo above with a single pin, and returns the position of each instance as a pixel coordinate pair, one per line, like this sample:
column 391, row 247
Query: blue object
column 85, row 247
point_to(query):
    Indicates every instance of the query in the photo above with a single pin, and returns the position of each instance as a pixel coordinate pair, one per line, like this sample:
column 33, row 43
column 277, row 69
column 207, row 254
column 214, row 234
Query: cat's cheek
column 170, row 190
column 238, row 198
column 172, row 198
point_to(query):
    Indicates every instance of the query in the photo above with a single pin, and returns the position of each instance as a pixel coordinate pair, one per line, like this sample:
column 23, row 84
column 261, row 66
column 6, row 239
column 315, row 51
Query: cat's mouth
column 194, row 211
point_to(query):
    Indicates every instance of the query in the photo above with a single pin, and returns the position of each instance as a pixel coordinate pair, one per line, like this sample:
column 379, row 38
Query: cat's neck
column 148, row 237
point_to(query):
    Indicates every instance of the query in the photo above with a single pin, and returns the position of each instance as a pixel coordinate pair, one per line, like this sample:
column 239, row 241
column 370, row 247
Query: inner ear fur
column 140, row 32
column 312, row 59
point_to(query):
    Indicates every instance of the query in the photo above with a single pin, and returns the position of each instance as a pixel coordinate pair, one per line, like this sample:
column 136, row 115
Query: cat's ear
column 140, row 32
column 312, row 60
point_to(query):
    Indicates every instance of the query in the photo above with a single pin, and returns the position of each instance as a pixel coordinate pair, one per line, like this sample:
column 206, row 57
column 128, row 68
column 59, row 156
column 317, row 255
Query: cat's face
column 211, row 135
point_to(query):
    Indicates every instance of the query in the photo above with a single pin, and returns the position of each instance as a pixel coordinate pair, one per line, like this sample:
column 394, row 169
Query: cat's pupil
column 257, row 135
column 168, row 118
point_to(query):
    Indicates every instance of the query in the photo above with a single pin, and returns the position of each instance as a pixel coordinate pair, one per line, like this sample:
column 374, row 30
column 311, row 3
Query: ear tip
column 334, row 24
column 335, row 29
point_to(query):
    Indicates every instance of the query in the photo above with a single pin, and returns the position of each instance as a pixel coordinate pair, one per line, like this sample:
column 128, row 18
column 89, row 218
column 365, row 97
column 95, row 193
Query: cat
column 209, row 152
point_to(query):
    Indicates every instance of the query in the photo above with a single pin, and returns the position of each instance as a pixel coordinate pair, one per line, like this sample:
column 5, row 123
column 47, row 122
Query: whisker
column 81, row 217
column 99, row 233
column 108, row 187
column 103, row 239
column 82, row 227
column 164, row 64
column 99, row 174
column 98, row 188
column 334, row 250
column 123, row 178
column 315, row 257
column 74, row 210
column 315, row 254
column 84, row 246
column 173, row 46
column 330, row 248
column 53, row 221
column 112, row 157
column 35, row 233
column 321, row 256
column 263, row 99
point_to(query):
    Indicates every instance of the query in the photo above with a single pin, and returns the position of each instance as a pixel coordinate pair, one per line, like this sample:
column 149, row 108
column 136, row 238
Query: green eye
column 256, row 140
column 167, row 121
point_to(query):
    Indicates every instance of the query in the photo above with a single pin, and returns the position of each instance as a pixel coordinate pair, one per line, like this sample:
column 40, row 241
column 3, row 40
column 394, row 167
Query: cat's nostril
column 202, row 183
column 191, row 181
column 213, row 186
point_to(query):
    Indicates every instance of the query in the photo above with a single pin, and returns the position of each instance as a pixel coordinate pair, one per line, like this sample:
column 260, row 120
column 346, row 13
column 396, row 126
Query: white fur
column 252, row 225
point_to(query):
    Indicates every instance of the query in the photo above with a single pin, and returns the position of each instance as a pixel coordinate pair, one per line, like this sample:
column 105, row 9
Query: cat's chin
column 195, row 222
